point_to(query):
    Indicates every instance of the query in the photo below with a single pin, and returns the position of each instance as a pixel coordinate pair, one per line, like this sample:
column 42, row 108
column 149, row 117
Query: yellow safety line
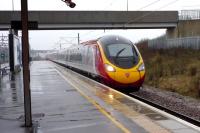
column 101, row 109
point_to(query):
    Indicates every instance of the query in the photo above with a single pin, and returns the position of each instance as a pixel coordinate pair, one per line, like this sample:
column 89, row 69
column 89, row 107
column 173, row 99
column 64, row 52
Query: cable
column 172, row 2
column 111, row 3
column 85, row 34
column 192, row 6
column 149, row 4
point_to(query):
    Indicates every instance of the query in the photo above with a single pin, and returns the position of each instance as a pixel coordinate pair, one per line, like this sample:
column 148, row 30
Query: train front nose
column 129, row 77
column 125, row 77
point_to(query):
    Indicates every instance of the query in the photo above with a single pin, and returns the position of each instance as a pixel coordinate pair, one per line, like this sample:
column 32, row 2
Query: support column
column 172, row 33
column 25, row 62
column 11, row 51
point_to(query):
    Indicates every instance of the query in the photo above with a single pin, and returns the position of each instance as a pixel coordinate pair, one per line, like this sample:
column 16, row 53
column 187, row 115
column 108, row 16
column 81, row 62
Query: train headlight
column 141, row 67
column 109, row 68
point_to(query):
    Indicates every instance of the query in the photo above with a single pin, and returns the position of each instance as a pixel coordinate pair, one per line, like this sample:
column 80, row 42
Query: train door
column 98, row 62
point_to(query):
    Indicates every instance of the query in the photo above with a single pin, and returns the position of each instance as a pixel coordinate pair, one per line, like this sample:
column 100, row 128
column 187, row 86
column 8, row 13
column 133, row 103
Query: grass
column 176, row 70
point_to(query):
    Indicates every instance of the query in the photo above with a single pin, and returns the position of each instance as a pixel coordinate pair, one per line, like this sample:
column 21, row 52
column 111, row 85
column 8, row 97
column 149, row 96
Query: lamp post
column 25, row 61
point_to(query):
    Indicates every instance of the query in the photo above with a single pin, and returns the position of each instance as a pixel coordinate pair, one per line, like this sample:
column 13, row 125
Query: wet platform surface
column 64, row 102
column 63, row 108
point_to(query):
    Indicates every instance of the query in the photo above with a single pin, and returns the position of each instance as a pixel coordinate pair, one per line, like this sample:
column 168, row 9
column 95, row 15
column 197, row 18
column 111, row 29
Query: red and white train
column 113, row 59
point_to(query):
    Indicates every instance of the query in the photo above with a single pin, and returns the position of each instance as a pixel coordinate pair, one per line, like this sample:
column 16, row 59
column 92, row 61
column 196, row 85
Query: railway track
column 166, row 109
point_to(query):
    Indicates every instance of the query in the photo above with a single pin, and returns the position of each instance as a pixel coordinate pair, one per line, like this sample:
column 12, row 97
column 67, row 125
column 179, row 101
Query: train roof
column 108, row 39
column 89, row 42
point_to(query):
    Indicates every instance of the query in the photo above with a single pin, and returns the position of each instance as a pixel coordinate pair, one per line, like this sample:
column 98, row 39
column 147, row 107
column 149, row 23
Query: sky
column 52, row 39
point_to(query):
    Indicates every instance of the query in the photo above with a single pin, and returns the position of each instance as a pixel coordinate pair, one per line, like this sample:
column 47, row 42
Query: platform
column 63, row 101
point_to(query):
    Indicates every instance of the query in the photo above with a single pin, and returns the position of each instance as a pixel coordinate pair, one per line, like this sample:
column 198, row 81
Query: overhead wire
column 62, row 43
column 111, row 3
column 166, row 5
column 192, row 6
column 154, row 2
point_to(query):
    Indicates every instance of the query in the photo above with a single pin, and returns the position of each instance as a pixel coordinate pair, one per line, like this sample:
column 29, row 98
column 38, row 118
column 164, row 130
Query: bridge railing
column 164, row 43
column 189, row 14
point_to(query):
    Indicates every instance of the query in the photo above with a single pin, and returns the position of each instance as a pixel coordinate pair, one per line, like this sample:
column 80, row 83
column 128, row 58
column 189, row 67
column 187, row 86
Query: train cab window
column 120, row 52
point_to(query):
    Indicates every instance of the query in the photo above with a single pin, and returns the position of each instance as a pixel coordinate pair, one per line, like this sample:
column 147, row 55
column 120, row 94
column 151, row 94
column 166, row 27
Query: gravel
column 173, row 101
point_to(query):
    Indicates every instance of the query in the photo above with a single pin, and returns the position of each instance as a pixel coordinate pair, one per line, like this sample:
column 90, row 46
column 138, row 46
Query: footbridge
column 55, row 20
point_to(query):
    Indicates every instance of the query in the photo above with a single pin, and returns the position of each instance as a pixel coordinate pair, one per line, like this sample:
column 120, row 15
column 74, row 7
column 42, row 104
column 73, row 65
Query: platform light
column 69, row 3
column 109, row 68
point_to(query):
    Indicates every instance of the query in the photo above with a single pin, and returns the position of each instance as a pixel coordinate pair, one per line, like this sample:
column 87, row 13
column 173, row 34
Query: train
column 112, row 59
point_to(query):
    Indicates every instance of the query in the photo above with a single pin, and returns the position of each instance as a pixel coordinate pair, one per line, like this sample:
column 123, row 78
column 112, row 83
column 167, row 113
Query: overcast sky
column 50, row 39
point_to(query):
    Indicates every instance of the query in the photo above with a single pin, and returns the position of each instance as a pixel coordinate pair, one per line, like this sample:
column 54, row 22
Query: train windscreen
column 120, row 52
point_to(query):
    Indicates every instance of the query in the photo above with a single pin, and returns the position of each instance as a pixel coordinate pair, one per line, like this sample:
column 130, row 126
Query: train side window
column 89, row 55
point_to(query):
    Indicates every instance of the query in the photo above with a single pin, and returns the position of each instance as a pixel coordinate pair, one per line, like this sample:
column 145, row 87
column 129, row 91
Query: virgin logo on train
column 127, row 75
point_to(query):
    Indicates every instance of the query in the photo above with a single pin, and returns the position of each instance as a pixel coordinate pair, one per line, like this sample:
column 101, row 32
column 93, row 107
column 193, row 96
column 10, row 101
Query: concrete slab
column 185, row 131
column 176, row 127
column 13, row 126
column 172, row 124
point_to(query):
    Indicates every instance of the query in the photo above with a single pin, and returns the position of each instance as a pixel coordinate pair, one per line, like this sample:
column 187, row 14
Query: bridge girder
column 50, row 20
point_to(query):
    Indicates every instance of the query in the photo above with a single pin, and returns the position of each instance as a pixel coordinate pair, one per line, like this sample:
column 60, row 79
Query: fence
column 164, row 43
column 189, row 14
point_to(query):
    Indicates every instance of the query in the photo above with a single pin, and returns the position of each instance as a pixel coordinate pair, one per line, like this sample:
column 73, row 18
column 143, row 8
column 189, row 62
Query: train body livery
column 113, row 59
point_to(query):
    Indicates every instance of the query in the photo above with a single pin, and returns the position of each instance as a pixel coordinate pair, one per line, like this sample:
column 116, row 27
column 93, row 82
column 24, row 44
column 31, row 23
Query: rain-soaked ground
column 11, row 105
column 64, row 102
column 63, row 109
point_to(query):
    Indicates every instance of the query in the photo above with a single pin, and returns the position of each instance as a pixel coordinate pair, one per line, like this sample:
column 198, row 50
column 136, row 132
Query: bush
column 173, row 69
column 192, row 70
column 195, row 86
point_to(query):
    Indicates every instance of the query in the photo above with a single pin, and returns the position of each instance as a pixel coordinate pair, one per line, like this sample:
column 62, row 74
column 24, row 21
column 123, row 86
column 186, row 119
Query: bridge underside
column 50, row 20
column 98, row 26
